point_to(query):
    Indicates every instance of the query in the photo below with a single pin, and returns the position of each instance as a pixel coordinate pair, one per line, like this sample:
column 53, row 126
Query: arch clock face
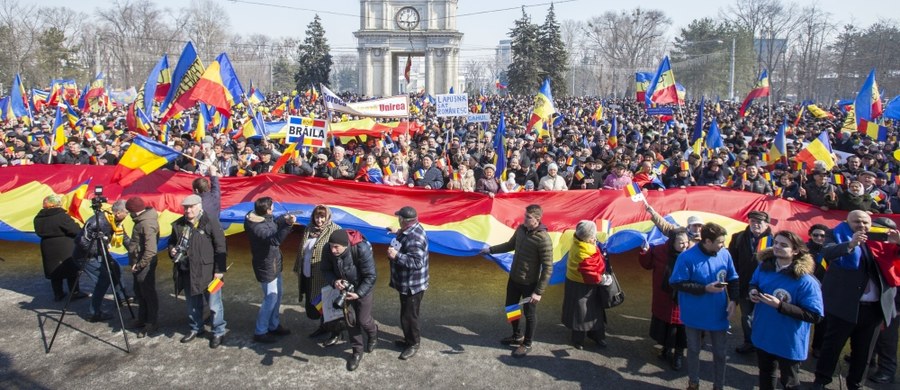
column 407, row 18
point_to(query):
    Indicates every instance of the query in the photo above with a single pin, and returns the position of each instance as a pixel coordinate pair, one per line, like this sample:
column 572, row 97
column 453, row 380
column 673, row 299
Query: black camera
column 98, row 200
column 341, row 300
column 181, row 250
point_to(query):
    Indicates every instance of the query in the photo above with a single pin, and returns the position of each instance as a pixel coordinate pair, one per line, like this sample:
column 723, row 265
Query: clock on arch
column 407, row 18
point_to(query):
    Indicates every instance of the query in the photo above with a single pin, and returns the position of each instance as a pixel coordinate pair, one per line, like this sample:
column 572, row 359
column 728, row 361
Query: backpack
column 356, row 238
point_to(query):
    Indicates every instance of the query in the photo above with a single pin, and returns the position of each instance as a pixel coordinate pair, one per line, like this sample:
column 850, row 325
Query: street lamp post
column 731, row 82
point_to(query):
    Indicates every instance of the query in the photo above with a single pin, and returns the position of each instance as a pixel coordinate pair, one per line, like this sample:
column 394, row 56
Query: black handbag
column 612, row 294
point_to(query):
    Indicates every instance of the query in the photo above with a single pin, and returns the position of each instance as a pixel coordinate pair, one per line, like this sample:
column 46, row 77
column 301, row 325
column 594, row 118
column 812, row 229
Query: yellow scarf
column 118, row 235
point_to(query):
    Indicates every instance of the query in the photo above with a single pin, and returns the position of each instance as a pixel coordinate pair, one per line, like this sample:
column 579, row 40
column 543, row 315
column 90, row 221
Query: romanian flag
column 579, row 174
column 817, row 150
column 819, row 113
column 877, row 196
column 407, row 68
column 202, row 122
column 641, row 82
column 764, row 243
column 681, row 92
column 766, row 175
column 187, row 73
column 697, row 135
column 868, row 100
column 78, row 195
column 331, row 165
column 256, row 96
column 513, row 312
column 779, row 191
column 500, row 148
column 18, row 103
column 821, row 261
column 218, row 87
column 598, row 114
column 95, row 93
column 873, row 130
column 59, row 131
column 215, row 286
column 317, row 303
column 685, row 166
column 71, row 115
column 543, row 105
column 714, row 136
column 660, row 168
column 388, row 170
column 761, row 89
column 778, row 150
column 279, row 111
column 633, row 191
column 286, row 155
column 144, row 156
column 662, row 88
column 613, row 139
column 419, row 175
column 838, row 179
column 162, row 81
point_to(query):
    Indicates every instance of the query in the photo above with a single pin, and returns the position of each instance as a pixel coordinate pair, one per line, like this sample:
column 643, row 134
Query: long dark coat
column 57, row 231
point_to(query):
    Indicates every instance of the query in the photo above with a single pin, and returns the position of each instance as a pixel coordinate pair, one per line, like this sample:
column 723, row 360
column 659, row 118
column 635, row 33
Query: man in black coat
column 57, row 231
column 197, row 245
column 348, row 264
column 858, row 301
column 743, row 248
column 266, row 234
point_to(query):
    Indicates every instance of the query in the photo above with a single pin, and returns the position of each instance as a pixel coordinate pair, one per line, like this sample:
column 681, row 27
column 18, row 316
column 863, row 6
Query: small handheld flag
column 633, row 191
column 317, row 302
column 513, row 312
column 838, row 179
column 215, row 286
column 685, row 166
column 764, row 243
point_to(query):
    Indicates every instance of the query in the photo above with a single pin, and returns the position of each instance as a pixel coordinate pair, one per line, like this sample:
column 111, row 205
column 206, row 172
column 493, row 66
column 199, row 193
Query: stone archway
column 392, row 29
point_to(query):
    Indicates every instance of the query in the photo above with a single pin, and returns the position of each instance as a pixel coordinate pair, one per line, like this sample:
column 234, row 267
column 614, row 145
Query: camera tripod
column 100, row 243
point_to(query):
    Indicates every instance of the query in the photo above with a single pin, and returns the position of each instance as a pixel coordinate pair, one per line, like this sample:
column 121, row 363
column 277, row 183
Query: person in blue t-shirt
column 791, row 302
column 706, row 282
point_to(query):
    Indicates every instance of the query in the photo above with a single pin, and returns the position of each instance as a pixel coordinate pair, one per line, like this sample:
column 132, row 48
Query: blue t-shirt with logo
column 708, row 311
column 777, row 333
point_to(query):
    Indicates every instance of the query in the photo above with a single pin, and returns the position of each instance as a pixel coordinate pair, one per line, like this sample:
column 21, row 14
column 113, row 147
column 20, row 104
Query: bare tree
column 814, row 30
column 20, row 27
column 474, row 72
column 772, row 22
column 628, row 40
column 208, row 27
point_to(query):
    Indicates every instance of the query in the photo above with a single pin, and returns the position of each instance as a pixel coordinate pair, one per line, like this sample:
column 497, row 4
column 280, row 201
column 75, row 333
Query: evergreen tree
column 553, row 57
column 282, row 75
column 56, row 59
column 524, row 72
column 313, row 59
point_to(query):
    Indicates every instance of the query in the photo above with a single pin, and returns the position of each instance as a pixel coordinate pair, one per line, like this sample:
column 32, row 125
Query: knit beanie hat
column 135, row 205
column 339, row 237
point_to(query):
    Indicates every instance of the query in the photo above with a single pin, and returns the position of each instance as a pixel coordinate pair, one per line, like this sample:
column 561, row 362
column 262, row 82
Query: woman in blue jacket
column 791, row 302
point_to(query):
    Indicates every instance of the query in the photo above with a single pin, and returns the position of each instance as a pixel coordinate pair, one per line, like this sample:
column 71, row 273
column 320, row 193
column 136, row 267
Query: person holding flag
column 529, row 274
column 743, row 249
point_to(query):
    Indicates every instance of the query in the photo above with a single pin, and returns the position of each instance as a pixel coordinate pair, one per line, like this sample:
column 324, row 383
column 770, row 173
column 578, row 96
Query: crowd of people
column 840, row 283
column 592, row 144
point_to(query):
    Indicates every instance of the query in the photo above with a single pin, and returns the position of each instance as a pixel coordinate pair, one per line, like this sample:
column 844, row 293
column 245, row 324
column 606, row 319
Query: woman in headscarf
column 313, row 241
column 665, row 323
column 581, row 311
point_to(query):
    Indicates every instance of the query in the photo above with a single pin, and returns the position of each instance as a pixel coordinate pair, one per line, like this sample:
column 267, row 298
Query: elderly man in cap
column 197, row 247
column 428, row 176
column 408, row 254
column 819, row 192
column 694, row 224
column 142, row 258
column 743, row 248
column 859, row 297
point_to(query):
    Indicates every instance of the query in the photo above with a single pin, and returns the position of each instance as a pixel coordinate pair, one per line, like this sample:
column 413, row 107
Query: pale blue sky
column 483, row 28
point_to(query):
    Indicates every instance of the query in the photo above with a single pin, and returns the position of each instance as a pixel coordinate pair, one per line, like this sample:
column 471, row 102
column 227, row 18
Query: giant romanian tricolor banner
column 458, row 223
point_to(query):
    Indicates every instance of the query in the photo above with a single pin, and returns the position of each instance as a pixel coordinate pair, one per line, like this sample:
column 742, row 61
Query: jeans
column 101, row 285
column 747, row 307
column 195, row 311
column 718, row 339
column 146, row 295
column 790, row 371
column 268, row 318
column 514, row 293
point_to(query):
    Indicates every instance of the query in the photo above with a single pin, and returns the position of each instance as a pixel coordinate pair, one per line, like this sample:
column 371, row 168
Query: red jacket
column 663, row 305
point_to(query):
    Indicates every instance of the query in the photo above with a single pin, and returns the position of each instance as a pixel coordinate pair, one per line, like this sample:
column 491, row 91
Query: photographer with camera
column 109, row 229
column 142, row 258
column 350, row 268
column 266, row 233
column 197, row 247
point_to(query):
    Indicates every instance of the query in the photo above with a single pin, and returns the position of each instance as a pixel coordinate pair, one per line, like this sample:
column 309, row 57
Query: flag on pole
column 633, row 191
column 761, row 89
